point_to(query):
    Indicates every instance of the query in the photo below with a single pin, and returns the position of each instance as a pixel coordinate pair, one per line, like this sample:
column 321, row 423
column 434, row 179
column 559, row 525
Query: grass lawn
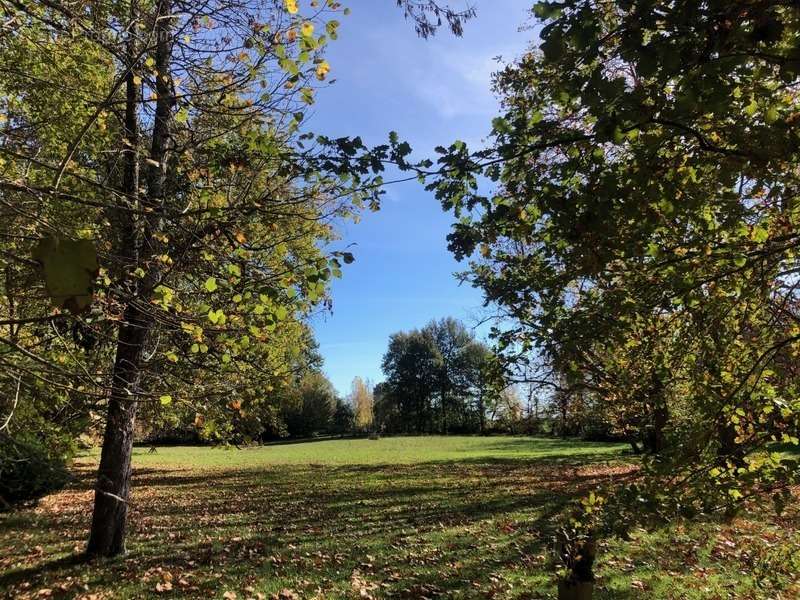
column 460, row 517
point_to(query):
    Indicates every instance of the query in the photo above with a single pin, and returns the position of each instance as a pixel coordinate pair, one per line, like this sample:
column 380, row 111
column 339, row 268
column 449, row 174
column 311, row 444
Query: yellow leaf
column 307, row 29
column 322, row 69
column 291, row 6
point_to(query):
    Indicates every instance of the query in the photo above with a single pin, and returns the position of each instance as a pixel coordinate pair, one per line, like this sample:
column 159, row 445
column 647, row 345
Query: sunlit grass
column 460, row 517
column 389, row 451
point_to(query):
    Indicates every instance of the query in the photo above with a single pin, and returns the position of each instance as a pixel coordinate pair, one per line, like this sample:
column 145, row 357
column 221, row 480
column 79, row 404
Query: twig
column 14, row 406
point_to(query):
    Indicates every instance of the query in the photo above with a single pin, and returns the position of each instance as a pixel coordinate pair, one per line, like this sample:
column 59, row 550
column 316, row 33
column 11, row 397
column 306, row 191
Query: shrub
column 28, row 471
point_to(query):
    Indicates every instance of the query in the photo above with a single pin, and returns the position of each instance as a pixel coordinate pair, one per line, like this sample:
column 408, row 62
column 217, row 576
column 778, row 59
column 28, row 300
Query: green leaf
column 166, row 400
column 547, row 10
column 217, row 317
column 211, row 284
column 771, row 115
column 760, row 235
column 69, row 268
column 331, row 27
column 501, row 126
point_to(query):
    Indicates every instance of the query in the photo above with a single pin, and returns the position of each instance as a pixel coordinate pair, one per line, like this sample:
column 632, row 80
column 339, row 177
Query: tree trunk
column 654, row 439
column 107, row 536
column 728, row 447
column 444, row 414
column 482, row 412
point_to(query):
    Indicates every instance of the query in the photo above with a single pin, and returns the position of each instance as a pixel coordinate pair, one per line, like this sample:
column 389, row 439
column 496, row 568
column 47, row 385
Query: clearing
column 405, row 517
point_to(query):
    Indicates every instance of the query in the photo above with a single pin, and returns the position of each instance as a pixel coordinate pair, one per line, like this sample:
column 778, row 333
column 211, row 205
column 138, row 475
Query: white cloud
column 456, row 84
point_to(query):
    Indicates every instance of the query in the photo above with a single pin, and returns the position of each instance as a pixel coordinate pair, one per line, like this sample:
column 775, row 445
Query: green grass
column 460, row 517
column 388, row 451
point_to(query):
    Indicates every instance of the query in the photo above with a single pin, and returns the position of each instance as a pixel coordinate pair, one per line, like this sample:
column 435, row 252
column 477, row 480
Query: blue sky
column 432, row 93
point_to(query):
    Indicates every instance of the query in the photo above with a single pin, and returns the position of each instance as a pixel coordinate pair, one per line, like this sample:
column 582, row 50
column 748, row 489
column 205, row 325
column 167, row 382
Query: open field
column 461, row 517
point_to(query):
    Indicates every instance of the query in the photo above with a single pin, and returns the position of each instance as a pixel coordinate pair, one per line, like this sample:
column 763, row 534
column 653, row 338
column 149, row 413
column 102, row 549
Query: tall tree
column 450, row 338
column 437, row 378
column 310, row 406
column 162, row 145
column 646, row 217
column 410, row 365
column 362, row 401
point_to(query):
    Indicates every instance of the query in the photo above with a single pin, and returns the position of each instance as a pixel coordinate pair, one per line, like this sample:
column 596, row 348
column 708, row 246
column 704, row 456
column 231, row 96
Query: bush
column 28, row 471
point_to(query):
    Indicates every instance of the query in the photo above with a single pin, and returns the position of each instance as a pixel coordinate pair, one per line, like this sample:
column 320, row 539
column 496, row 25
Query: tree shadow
column 55, row 566
column 318, row 523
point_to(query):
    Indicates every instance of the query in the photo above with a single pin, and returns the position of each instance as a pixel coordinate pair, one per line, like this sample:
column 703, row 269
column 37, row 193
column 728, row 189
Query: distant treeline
column 439, row 379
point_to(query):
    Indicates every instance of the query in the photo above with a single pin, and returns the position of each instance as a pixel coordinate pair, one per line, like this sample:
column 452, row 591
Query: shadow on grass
column 438, row 528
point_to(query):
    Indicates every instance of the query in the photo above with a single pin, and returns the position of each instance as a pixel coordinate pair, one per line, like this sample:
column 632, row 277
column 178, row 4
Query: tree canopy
column 438, row 379
column 164, row 218
column 641, row 236
column 168, row 229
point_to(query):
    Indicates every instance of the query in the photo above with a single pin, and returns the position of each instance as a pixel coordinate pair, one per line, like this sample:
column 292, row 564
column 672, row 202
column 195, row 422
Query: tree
column 643, row 237
column 410, row 365
column 311, row 405
column 387, row 411
column 437, row 378
column 162, row 149
column 481, row 379
column 450, row 338
column 509, row 410
column 362, row 402
column 343, row 418
column 462, row 373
